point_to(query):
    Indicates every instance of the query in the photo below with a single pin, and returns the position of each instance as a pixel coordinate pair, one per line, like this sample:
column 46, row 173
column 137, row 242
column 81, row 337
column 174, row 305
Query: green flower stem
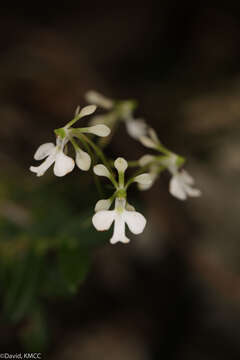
column 99, row 153
column 121, row 179
column 97, row 150
column 98, row 186
column 163, row 149
column 73, row 121
column 96, row 179
column 134, row 163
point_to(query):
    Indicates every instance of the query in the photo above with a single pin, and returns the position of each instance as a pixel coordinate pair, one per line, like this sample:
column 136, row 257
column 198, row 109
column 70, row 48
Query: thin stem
column 73, row 121
column 100, row 154
column 133, row 163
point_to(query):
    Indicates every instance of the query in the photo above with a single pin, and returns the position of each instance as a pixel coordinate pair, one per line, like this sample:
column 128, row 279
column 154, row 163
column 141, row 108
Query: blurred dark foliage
column 173, row 293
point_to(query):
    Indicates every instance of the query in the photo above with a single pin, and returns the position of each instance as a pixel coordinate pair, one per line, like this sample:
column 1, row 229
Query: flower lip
column 135, row 221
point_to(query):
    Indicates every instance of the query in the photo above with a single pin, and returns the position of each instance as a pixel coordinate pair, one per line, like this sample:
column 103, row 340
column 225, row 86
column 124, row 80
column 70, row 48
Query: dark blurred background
column 174, row 292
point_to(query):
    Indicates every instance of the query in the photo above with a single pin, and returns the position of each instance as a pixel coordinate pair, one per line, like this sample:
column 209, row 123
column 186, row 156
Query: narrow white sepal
column 144, row 179
column 83, row 160
column 88, row 110
column 101, row 170
column 149, row 143
column 103, row 204
column 146, row 159
column 153, row 136
column 120, row 164
column 99, row 130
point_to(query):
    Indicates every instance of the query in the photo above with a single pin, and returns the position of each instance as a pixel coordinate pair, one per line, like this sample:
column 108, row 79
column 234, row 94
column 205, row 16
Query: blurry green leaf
column 74, row 264
column 22, row 287
column 34, row 335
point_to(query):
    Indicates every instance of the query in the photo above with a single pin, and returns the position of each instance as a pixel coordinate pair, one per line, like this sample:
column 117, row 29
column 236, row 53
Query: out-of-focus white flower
column 120, row 110
column 103, row 219
column 181, row 183
column 181, row 186
column 93, row 97
column 53, row 154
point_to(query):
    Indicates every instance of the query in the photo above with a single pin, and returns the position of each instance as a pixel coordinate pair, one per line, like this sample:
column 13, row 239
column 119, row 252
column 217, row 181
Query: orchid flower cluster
column 148, row 167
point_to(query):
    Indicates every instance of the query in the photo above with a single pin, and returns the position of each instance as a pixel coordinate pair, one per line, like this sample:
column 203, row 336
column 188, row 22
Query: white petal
column 41, row 169
column 101, row 170
column 103, row 204
column 119, row 230
column 144, row 179
column 44, row 150
column 88, row 110
column 93, row 97
column 193, row 192
column 99, row 130
column 120, row 164
column 146, row 159
column 187, row 178
column 136, row 128
column 83, row 160
column 176, row 188
column 63, row 164
column 135, row 221
column 102, row 220
column 146, row 141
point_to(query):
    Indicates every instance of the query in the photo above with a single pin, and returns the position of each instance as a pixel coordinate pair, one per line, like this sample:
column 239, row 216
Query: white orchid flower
column 53, row 154
column 181, row 183
column 103, row 219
